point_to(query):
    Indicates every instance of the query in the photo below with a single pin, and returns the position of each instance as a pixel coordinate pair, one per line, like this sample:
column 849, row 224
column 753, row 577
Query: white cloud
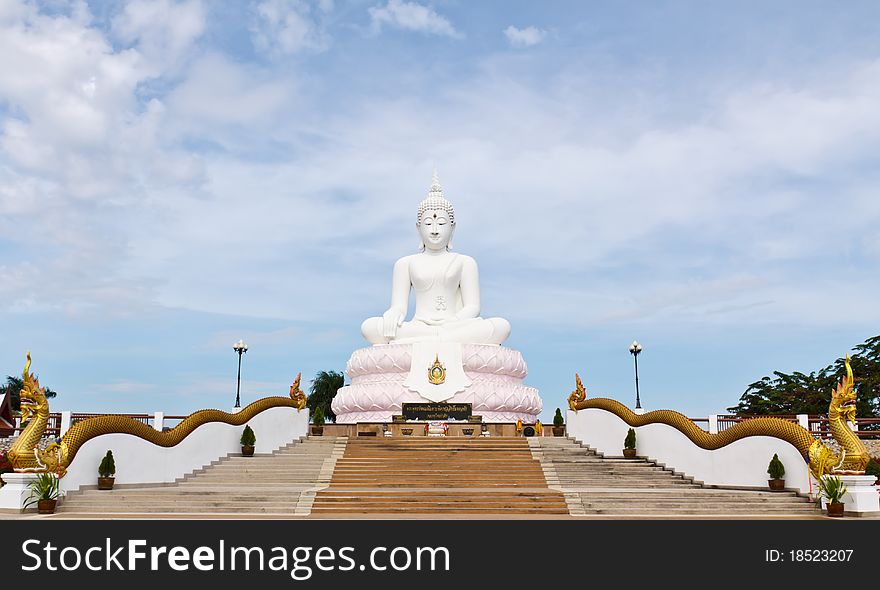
column 526, row 37
column 285, row 28
column 163, row 31
column 699, row 214
column 218, row 93
column 411, row 16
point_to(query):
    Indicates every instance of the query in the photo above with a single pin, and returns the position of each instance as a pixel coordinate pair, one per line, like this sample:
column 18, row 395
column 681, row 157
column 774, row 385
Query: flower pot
column 467, row 431
column 559, row 431
column 406, row 431
column 247, row 450
column 105, row 483
column 835, row 509
column 46, row 506
column 317, row 431
column 776, row 485
column 629, row 453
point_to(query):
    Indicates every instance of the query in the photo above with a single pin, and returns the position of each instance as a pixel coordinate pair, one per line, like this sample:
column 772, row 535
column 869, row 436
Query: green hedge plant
column 776, row 470
column 248, row 438
column 107, row 468
column 318, row 417
column 630, row 441
column 558, row 420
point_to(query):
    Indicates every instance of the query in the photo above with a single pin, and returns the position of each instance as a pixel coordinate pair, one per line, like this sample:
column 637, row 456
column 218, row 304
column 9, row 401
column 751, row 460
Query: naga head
column 843, row 398
column 32, row 396
column 578, row 395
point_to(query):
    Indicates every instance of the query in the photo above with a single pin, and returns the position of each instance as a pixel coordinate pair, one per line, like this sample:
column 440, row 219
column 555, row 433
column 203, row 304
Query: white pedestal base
column 861, row 498
column 16, row 492
column 379, row 375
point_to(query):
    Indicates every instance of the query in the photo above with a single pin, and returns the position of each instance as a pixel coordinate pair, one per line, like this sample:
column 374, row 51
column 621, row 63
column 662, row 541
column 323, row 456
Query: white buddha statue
column 446, row 352
column 446, row 285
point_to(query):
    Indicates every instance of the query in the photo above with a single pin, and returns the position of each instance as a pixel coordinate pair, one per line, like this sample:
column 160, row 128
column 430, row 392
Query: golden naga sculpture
column 795, row 434
column 578, row 395
column 26, row 456
column 853, row 457
column 297, row 394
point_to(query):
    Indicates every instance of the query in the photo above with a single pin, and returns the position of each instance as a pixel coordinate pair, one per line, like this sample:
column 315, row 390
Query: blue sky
column 174, row 176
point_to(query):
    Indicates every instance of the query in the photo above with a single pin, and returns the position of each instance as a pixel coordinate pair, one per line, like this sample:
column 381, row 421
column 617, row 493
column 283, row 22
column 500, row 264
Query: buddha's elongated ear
column 451, row 234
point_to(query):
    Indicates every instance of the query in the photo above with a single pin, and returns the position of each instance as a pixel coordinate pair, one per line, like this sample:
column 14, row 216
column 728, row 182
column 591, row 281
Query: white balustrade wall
column 740, row 464
column 142, row 462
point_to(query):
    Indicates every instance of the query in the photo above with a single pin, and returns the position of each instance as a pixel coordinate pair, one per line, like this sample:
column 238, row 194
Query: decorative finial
column 436, row 190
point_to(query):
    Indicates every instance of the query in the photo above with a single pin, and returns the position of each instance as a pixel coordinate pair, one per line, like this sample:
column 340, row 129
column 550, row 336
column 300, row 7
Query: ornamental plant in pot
column 45, row 491
column 107, row 472
column 629, row 444
column 318, row 422
column 248, row 440
column 776, row 471
column 833, row 490
column 558, row 423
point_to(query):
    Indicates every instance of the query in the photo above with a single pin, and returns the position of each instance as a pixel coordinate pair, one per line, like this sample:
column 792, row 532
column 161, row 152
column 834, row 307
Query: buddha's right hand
column 391, row 319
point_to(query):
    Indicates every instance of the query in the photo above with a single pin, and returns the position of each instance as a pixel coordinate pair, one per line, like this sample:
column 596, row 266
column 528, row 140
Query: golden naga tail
column 852, row 459
column 578, row 395
column 26, row 456
column 297, row 394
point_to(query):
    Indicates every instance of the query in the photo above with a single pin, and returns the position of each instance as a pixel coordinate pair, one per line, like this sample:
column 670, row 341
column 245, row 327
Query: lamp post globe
column 635, row 348
column 240, row 347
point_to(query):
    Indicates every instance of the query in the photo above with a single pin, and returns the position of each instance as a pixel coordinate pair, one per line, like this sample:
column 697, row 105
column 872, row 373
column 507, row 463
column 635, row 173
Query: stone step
column 475, row 511
column 425, row 477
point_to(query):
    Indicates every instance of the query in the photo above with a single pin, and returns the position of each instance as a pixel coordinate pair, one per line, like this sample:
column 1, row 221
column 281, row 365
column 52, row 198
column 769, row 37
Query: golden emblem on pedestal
column 436, row 372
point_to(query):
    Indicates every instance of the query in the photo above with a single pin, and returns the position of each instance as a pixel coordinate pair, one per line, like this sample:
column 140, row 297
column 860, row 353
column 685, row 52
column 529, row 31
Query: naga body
column 26, row 456
column 852, row 459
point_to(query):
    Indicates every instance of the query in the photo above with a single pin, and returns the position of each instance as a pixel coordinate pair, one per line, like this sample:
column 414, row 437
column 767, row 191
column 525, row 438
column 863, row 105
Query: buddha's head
column 436, row 219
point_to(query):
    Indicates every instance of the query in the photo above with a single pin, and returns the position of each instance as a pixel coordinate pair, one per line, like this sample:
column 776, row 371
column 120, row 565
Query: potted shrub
column 248, row 440
column 106, row 472
column 629, row 444
column 776, row 471
column 558, row 423
column 318, row 422
column 832, row 489
column 45, row 491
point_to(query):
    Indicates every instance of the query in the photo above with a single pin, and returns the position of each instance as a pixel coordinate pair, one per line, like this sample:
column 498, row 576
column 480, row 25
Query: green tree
column 799, row 393
column 322, row 391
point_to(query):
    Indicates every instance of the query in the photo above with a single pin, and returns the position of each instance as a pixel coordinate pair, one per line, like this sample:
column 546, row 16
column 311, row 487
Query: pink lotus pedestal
column 377, row 374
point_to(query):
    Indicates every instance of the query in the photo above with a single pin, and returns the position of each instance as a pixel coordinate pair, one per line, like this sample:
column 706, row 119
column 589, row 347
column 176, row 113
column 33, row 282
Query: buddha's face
column 435, row 230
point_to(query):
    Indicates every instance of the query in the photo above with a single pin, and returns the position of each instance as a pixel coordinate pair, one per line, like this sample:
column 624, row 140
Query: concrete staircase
column 438, row 476
column 444, row 477
column 283, row 483
column 614, row 486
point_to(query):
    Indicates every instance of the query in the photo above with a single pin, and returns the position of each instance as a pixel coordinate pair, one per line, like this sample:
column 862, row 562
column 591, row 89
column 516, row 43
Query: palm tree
column 323, row 390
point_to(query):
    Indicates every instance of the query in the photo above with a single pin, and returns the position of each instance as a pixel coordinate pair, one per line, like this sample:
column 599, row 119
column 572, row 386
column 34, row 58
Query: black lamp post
column 635, row 348
column 240, row 347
